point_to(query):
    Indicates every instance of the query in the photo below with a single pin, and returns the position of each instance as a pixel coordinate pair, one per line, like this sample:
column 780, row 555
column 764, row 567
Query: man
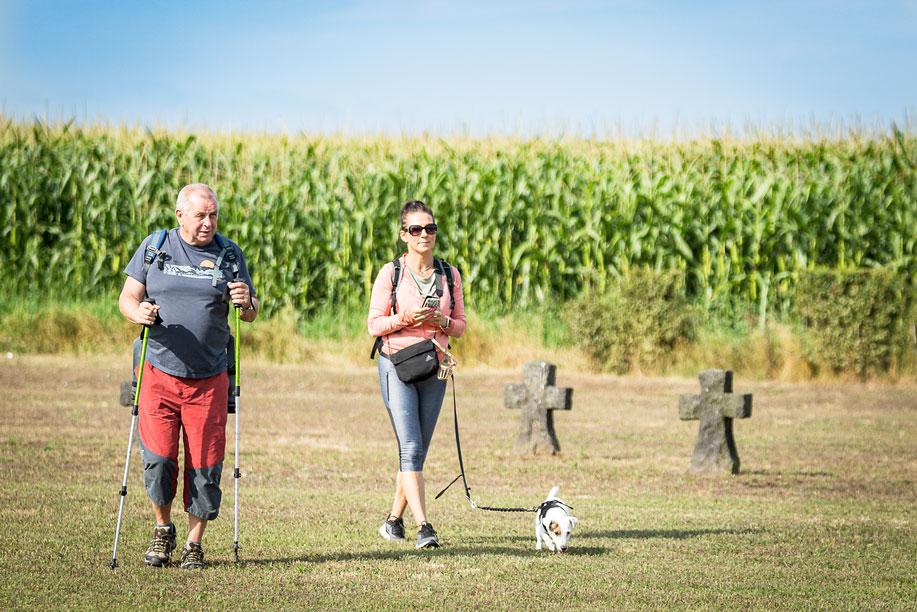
column 185, row 384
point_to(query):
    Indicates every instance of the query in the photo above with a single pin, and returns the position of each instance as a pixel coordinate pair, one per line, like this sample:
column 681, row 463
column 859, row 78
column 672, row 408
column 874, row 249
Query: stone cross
column 716, row 406
column 538, row 398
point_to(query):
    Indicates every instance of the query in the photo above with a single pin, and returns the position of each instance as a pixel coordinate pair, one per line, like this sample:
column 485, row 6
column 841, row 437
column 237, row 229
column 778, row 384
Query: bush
column 637, row 323
column 854, row 321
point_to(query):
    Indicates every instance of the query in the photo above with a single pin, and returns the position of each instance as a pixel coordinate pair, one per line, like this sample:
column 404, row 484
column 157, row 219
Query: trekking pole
column 130, row 440
column 236, row 474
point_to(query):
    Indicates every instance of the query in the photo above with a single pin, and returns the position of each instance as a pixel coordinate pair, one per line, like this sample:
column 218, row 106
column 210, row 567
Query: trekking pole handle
column 150, row 300
column 236, row 279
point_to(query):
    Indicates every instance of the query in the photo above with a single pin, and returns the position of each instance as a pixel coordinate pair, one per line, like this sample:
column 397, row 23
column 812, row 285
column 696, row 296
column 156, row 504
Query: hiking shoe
column 192, row 556
column 160, row 551
column 426, row 537
column 392, row 529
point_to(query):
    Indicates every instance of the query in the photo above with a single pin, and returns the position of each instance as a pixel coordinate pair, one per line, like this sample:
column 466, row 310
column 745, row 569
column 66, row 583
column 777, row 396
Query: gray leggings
column 413, row 409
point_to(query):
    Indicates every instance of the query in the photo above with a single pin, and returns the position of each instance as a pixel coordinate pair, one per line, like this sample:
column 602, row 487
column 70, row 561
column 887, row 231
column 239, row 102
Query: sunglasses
column 415, row 230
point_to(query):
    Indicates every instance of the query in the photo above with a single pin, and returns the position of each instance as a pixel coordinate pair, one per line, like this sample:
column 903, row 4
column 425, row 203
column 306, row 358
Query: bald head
column 195, row 191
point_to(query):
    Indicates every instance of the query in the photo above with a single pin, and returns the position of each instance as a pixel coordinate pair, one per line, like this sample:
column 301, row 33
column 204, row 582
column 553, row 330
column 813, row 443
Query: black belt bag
column 416, row 363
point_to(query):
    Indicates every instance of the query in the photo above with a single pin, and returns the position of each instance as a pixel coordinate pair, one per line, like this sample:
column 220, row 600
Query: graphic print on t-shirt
column 188, row 271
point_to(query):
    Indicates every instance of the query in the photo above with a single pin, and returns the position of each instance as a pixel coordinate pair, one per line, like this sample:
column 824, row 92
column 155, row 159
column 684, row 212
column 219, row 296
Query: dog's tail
column 553, row 493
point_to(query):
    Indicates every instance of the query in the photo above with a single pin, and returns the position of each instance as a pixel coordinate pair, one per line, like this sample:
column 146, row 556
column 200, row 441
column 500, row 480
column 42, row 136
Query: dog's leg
column 549, row 542
column 537, row 534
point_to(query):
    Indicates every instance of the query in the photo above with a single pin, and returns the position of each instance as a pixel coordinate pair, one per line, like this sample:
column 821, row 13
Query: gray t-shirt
column 191, row 339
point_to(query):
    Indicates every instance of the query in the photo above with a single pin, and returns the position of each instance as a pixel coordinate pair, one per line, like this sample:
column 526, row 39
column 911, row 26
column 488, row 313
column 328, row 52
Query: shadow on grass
column 487, row 547
column 407, row 553
column 799, row 473
column 670, row 534
column 643, row 534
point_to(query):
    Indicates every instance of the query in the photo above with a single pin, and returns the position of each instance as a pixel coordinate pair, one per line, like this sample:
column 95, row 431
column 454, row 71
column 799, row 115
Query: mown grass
column 821, row 517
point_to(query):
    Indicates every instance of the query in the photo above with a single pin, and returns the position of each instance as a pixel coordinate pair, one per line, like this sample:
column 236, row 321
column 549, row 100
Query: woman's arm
column 381, row 321
column 457, row 313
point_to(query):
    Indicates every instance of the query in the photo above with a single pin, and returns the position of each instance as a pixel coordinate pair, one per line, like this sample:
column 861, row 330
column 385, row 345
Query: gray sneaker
column 192, row 556
column 392, row 529
column 160, row 551
column 426, row 537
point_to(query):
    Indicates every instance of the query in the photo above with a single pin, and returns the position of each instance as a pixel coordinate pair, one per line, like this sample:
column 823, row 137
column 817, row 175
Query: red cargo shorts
column 196, row 407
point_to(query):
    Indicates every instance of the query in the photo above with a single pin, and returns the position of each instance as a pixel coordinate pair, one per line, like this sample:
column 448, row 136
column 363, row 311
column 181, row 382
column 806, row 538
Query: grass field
column 821, row 517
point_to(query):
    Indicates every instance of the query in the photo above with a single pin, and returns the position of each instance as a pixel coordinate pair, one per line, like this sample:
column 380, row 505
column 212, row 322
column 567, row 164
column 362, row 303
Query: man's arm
column 132, row 306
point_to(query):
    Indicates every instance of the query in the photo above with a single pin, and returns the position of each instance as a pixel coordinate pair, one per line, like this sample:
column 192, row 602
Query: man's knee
column 160, row 475
column 202, row 491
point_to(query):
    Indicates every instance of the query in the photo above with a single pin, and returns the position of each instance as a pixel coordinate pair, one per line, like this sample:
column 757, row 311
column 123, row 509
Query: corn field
column 527, row 222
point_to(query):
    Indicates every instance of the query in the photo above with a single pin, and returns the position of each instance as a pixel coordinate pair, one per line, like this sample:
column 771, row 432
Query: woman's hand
column 440, row 319
column 413, row 318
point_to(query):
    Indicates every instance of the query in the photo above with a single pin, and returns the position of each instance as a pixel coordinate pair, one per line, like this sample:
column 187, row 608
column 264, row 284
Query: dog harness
column 547, row 505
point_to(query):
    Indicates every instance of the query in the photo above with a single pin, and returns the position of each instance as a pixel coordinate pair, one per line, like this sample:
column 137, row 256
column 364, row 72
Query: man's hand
column 240, row 295
column 145, row 314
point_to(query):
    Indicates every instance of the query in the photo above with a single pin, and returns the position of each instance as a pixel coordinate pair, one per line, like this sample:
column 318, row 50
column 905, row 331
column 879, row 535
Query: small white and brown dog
column 553, row 524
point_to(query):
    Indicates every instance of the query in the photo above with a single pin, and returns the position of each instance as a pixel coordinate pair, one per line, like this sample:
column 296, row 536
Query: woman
column 423, row 305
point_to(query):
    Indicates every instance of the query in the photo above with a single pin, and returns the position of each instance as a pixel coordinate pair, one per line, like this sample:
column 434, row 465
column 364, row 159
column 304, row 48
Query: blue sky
column 585, row 67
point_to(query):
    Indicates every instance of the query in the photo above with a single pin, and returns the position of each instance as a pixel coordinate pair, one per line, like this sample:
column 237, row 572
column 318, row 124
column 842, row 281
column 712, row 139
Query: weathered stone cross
column 716, row 406
column 538, row 398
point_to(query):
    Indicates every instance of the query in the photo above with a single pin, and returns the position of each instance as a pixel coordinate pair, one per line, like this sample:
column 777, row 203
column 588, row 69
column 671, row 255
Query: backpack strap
column 446, row 270
column 154, row 252
column 396, row 276
column 229, row 254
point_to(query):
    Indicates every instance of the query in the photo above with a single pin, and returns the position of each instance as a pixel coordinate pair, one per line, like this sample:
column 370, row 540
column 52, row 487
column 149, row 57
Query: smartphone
column 431, row 301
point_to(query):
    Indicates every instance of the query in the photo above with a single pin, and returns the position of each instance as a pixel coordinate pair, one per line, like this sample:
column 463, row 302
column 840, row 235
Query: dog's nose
column 564, row 549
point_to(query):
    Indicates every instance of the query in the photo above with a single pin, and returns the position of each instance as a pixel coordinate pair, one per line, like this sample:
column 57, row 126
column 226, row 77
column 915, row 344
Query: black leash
column 458, row 448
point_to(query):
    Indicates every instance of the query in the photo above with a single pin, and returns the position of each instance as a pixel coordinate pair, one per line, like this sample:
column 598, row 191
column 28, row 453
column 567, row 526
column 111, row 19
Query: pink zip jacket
column 396, row 335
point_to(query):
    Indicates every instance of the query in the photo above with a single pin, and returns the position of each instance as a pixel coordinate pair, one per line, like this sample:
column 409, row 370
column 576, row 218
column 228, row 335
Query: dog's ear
column 572, row 522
